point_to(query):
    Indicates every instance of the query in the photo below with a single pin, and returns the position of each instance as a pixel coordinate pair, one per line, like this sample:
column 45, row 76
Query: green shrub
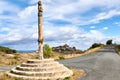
column 36, row 57
column 18, row 79
column 109, row 42
column 61, row 57
column 66, row 78
column 47, row 51
column 96, row 45
column 16, row 56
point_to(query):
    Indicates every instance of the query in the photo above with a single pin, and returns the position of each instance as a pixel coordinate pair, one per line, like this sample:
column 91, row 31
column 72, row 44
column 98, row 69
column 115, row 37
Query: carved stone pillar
column 40, row 33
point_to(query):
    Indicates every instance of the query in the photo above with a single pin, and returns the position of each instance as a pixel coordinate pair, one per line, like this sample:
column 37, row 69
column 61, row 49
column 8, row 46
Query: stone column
column 40, row 33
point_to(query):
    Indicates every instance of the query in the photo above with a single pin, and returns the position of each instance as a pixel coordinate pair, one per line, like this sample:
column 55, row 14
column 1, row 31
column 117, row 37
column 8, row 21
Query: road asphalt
column 6, row 68
column 101, row 65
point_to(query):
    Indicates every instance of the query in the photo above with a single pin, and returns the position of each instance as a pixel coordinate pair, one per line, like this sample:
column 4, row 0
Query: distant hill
column 7, row 50
column 66, row 49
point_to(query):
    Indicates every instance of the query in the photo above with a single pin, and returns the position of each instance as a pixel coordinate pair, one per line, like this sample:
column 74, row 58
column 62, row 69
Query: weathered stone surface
column 65, row 49
column 40, row 70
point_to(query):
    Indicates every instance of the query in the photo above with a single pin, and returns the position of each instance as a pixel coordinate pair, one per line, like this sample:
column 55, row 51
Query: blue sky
column 78, row 23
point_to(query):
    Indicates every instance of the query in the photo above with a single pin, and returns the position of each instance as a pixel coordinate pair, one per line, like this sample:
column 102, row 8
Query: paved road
column 101, row 65
column 5, row 68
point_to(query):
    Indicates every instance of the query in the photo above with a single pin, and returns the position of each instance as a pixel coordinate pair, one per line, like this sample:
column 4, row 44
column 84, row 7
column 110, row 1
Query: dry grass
column 3, row 76
column 76, row 55
column 12, row 59
column 77, row 74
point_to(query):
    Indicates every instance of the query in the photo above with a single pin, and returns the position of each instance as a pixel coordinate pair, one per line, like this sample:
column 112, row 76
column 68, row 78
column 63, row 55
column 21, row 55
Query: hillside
column 11, row 57
column 7, row 50
column 66, row 49
column 18, row 58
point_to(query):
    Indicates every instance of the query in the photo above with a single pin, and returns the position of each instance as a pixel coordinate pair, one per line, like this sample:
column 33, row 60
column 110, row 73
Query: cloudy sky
column 78, row 23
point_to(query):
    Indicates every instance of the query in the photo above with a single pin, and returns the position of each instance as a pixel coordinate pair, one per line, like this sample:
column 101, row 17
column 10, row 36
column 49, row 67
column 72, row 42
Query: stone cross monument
column 40, row 69
column 40, row 33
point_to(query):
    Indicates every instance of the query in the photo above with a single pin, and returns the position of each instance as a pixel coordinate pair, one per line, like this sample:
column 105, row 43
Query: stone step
column 38, row 70
column 40, row 61
column 39, row 64
column 40, row 78
column 47, row 68
column 64, row 71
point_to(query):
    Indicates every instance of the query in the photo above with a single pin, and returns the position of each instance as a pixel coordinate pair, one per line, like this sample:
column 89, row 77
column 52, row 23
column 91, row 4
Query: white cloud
column 72, row 35
column 61, row 33
column 72, row 11
column 116, row 39
column 93, row 34
column 105, row 28
column 6, row 6
column 33, row 1
column 5, row 29
column 28, row 15
column 92, row 27
column 104, row 16
column 117, row 23
column 24, row 22
column 21, row 25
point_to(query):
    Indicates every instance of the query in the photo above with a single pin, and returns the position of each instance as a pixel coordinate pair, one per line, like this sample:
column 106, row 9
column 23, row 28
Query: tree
column 47, row 51
column 109, row 42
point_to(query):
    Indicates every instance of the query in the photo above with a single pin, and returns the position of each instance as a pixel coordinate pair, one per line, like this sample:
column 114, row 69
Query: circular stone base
column 45, row 69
